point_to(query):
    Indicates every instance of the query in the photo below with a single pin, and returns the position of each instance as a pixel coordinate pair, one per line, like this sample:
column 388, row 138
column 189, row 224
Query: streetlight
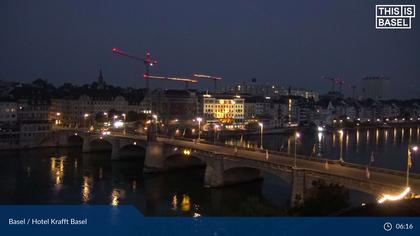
column 262, row 130
column 124, row 122
column 297, row 136
column 341, row 132
column 155, row 118
column 85, row 116
column 199, row 119
column 216, row 127
column 410, row 150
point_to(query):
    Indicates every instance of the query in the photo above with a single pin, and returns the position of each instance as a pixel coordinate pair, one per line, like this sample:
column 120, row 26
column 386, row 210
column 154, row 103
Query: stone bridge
column 225, row 166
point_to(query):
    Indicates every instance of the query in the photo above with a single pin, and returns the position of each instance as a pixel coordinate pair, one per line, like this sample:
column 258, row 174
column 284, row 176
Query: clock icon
column 387, row 226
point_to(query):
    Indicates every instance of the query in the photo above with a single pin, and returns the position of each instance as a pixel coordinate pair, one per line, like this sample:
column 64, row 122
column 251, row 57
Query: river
column 68, row 176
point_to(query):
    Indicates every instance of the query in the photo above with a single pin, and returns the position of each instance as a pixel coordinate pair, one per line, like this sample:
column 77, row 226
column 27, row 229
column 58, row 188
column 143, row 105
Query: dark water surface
column 68, row 176
column 387, row 146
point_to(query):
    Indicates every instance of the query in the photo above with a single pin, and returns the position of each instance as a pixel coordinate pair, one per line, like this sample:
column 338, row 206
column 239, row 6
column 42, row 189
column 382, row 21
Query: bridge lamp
column 199, row 119
column 297, row 136
column 123, row 114
column 411, row 149
column 261, row 132
column 341, row 132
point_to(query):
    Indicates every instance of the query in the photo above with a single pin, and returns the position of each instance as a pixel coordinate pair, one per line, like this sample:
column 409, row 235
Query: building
column 228, row 110
column 24, row 118
column 172, row 104
column 8, row 111
column 71, row 105
column 255, row 89
column 375, row 88
column 267, row 90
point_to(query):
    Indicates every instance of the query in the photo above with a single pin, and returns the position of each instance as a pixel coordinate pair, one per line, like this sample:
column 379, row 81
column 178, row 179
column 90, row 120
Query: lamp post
column 155, row 118
column 199, row 119
column 124, row 122
column 341, row 132
column 216, row 127
column 297, row 136
column 410, row 150
column 261, row 132
column 85, row 116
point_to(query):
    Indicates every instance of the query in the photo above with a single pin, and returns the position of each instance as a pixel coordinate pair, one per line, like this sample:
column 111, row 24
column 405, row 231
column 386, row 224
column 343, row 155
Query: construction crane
column 353, row 88
column 340, row 85
column 214, row 78
column 333, row 82
column 148, row 61
column 187, row 81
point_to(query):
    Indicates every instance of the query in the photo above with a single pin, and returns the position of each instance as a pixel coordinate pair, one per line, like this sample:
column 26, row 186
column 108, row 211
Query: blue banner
column 127, row 220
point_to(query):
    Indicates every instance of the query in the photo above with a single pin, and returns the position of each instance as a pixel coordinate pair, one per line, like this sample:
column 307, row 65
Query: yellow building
column 226, row 110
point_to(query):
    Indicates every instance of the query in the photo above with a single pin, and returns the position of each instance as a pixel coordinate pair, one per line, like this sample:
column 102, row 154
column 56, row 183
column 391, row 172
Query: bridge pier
column 86, row 144
column 154, row 160
column 298, row 186
column 115, row 155
column 62, row 140
column 213, row 176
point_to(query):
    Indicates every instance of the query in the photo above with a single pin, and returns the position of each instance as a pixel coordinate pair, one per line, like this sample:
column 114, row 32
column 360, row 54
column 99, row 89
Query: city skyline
column 291, row 44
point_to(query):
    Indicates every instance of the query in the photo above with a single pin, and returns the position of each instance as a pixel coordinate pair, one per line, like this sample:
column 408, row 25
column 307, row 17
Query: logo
column 394, row 16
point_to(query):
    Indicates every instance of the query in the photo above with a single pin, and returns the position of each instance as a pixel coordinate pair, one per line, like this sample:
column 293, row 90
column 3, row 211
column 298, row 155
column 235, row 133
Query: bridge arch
column 180, row 160
column 98, row 145
column 75, row 140
column 132, row 151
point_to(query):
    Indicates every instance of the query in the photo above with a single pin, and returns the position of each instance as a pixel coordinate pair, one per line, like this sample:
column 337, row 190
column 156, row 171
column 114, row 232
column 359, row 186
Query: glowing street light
column 341, row 132
column 124, row 122
column 387, row 197
column 199, row 119
column 411, row 149
column 85, row 116
column 261, row 132
column 216, row 127
column 155, row 117
column 297, row 136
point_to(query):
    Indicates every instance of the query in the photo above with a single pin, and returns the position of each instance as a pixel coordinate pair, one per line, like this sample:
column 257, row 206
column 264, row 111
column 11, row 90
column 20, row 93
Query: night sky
column 291, row 42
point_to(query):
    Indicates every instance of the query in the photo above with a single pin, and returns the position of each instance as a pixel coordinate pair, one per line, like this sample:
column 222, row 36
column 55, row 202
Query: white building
column 226, row 110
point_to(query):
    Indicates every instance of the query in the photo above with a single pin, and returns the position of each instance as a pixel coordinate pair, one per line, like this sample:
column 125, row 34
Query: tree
column 323, row 199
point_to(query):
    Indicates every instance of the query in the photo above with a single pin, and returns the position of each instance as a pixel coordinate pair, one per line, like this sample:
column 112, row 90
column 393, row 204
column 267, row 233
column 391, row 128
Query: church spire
column 100, row 77
column 101, row 82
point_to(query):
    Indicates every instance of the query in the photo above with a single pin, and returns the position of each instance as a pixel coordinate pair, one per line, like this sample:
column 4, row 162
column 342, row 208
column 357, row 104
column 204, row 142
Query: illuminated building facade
column 226, row 110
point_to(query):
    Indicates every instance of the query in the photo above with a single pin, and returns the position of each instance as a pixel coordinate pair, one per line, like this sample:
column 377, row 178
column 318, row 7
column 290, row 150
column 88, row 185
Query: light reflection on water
column 68, row 176
column 389, row 145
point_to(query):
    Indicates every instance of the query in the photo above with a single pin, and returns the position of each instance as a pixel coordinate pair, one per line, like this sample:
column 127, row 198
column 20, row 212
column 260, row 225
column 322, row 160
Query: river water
column 68, row 176
column 385, row 148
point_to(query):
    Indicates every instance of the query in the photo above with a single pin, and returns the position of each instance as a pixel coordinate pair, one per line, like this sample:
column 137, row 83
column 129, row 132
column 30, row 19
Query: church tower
column 101, row 82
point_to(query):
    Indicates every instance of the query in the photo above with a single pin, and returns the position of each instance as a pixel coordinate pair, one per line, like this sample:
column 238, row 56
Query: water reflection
column 86, row 189
column 186, row 203
column 174, row 203
column 350, row 145
column 100, row 181
column 116, row 196
column 57, row 171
